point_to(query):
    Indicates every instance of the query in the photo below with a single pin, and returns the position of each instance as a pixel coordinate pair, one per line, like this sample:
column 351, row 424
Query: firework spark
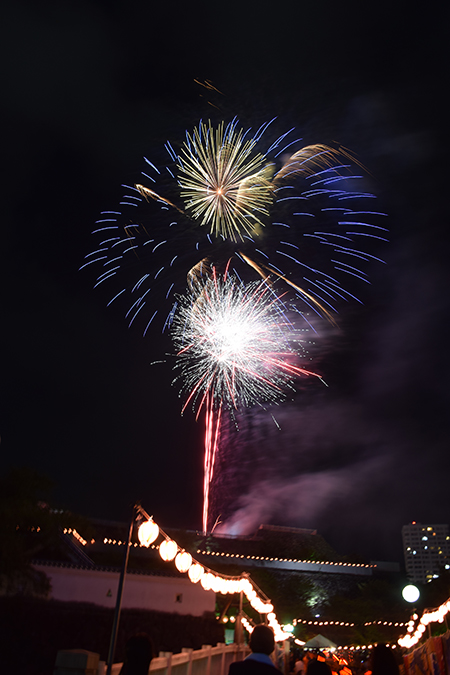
column 235, row 343
column 224, row 183
column 235, row 347
column 298, row 213
column 226, row 201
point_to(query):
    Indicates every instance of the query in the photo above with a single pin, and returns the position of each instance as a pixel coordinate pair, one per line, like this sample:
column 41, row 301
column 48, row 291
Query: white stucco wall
column 165, row 594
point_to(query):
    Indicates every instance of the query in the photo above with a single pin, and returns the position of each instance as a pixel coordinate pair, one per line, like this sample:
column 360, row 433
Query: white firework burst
column 235, row 343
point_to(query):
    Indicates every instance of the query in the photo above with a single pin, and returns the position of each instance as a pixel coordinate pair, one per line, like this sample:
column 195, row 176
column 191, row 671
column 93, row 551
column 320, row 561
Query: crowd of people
column 262, row 659
column 381, row 661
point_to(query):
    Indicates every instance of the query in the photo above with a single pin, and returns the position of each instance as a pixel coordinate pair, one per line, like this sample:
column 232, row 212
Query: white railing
column 205, row 661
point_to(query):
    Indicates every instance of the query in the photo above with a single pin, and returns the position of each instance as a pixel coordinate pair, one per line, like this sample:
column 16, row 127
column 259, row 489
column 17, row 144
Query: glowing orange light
column 148, row 532
column 183, row 561
column 207, row 581
column 168, row 549
column 195, row 572
column 218, row 584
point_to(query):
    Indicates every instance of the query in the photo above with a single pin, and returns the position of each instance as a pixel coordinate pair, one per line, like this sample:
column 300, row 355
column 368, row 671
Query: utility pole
column 123, row 571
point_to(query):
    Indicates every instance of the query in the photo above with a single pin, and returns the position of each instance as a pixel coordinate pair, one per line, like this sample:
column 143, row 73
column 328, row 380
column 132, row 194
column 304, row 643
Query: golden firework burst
column 224, row 183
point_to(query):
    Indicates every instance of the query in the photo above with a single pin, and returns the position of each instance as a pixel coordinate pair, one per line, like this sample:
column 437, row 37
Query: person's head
column 318, row 666
column 382, row 661
column 138, row 654
column 262, row 640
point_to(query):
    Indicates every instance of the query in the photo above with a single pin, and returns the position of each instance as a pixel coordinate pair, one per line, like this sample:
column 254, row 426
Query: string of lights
column 351, row 624
column 347, row 648
column 169, row 550
column 429, row 616
column 238, row 556
column 77, row 535
column 289, row 560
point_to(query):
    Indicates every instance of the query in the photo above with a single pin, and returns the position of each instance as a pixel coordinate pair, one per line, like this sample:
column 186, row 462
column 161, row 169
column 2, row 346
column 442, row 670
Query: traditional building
column 294, row 565
column 156, row 592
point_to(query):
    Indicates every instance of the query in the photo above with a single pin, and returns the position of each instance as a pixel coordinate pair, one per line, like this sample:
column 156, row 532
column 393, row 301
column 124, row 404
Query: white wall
column 165, row 594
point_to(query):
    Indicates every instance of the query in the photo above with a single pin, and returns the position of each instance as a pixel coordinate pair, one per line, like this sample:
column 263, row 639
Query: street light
column 410, row 593
column 147, row 533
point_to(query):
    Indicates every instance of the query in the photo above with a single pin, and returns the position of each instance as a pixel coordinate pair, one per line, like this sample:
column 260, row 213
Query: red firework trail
column 212, row 424
column 236, row 347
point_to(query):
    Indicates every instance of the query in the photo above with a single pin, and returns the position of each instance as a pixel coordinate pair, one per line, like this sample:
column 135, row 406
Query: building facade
column 426, row 549
column 175, row 594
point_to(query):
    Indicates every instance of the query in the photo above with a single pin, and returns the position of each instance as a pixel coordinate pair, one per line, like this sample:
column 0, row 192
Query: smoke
column 325, row 469
column 301, row 500
column 367, row 455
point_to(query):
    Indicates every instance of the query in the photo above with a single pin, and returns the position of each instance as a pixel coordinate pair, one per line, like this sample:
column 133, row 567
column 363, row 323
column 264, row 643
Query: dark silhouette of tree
column 28, row 527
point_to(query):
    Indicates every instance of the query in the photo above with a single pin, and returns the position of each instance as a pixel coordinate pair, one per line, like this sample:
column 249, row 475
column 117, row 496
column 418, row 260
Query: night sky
column 88, row 88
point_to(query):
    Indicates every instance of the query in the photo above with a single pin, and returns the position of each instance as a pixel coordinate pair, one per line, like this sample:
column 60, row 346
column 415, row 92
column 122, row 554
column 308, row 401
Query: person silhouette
column 138, row 655
column 262, row 644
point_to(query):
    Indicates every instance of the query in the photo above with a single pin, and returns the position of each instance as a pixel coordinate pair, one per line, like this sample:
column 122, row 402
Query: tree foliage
column 28, row 527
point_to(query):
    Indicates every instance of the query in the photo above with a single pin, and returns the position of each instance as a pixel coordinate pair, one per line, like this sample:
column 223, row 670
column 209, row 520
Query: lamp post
column 148, row 532
column 123, row 571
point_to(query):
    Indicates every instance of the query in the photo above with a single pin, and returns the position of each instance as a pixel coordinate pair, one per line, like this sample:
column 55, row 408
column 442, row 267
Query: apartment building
column 426, row 549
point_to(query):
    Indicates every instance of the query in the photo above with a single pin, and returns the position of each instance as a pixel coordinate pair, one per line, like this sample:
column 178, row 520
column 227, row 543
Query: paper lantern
column 250, row 594
column 148, row 532
column 207, row 581
column 223, row 586
column 183, row 561
column 234, row 586
column 217, row 583
column 168, row 549
column 245, row 586
column 195, row 572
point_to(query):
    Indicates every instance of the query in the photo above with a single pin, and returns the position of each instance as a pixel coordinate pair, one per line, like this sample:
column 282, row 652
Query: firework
column 278, row 209
column 235, row 347
column 225, row 185
column 228, row 216
column 235, row 343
